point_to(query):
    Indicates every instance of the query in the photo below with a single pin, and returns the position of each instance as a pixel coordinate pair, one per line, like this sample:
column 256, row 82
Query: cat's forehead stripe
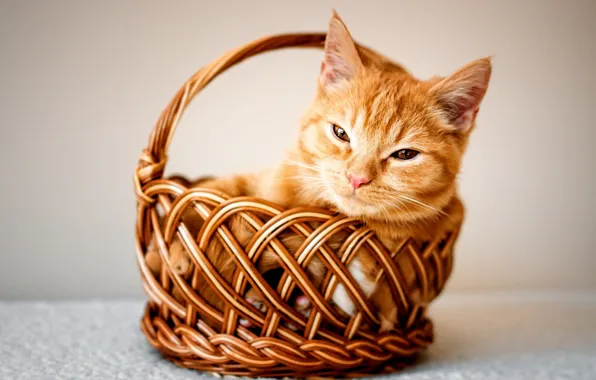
column 388, row 116
column 378, row 110
column 358, row 127
column 378, row 122
column 383, row 115
column 396, row 131
column 360, row 119
column 348, row 121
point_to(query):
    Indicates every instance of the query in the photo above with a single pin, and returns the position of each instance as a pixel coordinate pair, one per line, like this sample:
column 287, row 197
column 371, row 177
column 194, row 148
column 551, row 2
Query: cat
column 376, row 144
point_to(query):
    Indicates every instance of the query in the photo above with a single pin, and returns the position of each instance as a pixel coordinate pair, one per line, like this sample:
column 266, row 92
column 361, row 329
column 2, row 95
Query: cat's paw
column 303, row 306
column 259, row 305
column 389, row 321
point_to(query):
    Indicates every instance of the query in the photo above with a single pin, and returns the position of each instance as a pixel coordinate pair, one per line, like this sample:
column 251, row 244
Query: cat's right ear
column 341, row 61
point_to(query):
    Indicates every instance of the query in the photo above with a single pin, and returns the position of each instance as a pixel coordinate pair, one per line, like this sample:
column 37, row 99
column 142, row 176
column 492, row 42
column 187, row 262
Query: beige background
column 81, row 84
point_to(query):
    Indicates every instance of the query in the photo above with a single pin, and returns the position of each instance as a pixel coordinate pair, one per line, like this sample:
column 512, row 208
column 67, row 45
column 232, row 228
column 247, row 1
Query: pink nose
column 357, row 181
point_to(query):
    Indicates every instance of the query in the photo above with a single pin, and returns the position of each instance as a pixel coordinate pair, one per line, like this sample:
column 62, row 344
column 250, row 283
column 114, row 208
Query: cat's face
column 383, row 144
column 380, row 148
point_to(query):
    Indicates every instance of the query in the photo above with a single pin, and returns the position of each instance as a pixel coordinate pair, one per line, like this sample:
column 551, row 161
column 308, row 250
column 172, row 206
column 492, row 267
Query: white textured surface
column 478, row 337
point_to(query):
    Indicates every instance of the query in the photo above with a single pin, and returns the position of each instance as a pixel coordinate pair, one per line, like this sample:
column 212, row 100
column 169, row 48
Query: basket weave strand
column 188, row 330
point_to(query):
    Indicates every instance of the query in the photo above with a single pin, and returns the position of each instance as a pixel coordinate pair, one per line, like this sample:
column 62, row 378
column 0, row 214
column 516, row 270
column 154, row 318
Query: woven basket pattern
column 194, row 334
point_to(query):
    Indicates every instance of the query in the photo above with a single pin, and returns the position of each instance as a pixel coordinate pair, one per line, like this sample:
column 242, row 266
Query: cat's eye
column 405, row 154
column 340, row 133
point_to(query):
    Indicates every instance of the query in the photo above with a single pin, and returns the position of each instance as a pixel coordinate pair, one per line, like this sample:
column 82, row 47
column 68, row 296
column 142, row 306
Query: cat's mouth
column 354, row 205
column 349, row 201
column 353, row 199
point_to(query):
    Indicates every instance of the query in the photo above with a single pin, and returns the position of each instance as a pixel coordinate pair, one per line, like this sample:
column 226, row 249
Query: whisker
column 419, row 202
column 303, row 165
column 384, row 209
column 313, row 167
column 303, row 177
column 400, row 198
column 398, row 209
column 407, row 209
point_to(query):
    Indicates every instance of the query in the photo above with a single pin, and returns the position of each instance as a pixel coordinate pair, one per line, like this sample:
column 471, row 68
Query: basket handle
column 153, row 159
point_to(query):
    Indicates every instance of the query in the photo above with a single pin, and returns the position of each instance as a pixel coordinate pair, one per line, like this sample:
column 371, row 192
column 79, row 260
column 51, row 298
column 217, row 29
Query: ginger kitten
column 376, row 144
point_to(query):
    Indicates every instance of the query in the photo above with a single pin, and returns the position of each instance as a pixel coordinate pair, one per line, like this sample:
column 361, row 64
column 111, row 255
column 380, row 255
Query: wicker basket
column 192, row 333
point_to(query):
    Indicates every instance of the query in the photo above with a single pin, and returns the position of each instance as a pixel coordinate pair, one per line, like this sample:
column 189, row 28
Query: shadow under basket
column 193, row 333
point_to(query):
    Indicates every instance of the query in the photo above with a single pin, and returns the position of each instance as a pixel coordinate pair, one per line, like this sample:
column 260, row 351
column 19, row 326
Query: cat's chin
column 354, row 206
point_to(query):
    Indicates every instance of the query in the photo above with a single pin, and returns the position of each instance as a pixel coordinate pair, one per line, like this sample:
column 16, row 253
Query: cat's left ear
column 460, row 94
column 341, row 61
